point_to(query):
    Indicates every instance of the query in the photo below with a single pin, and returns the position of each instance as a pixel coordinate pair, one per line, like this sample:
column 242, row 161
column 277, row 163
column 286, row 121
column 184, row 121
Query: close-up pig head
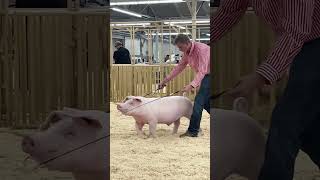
column 131, row 105
column 66, row 130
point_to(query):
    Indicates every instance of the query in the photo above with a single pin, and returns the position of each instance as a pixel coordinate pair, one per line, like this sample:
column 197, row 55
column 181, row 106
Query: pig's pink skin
column 238, row 141
column 54, row 138
column 166, row 110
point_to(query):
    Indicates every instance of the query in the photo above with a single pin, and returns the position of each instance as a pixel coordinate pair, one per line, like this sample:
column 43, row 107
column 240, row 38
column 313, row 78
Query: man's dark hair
column 182, row 38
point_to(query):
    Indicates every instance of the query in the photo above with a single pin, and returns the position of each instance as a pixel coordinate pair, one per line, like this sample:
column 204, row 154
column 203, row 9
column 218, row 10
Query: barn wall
column 48, row 61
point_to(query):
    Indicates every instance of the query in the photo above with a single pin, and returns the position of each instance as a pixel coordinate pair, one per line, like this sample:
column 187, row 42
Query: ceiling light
column 144, row 2
column 187, row 22
column 181, row 27
column 132, row 24
column 127, row 12
column 166, row 34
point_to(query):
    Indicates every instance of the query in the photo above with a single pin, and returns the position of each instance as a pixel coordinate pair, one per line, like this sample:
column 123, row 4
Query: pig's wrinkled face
column 63, row 133
column 129, row 106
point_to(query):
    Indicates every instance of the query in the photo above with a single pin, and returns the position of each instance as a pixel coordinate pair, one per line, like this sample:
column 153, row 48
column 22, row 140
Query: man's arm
column 204, row 67
column 228, row 14
column 176, row 70
column 129, row 56
column 298, row 25
column 115, row 56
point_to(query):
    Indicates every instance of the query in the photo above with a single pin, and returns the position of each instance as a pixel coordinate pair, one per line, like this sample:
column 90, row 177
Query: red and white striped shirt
column 199, row 60
column 294, row 22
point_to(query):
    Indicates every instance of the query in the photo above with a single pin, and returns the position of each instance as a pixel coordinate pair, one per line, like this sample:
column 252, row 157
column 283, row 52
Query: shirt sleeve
column 176, row 70
column 297, row 27
column 115, row 55
column 228, row 14
column 204, row 68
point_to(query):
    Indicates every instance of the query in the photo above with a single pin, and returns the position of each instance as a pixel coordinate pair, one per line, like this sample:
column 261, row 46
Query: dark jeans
column 295, row 122
column 202, row 101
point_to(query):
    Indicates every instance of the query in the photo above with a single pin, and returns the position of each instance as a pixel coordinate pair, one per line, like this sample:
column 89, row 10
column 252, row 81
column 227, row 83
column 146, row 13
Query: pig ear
column 70, row 109
column 126, row 99
column 137, row 99
column 88, row 122
column 53, row 117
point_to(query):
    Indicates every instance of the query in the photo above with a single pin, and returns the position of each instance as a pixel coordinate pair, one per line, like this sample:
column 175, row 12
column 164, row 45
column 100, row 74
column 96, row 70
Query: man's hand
column 247, row 85
column 162, row 85
column 187, row 88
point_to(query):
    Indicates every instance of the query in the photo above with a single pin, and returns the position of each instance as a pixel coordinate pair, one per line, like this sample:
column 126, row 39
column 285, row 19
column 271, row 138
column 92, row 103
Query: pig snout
column 28, row 145
column 119, row 106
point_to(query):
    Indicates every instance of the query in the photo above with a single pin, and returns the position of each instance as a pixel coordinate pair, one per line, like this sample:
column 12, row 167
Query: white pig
column 238, row 142
column 152, row 111
column 66, row 130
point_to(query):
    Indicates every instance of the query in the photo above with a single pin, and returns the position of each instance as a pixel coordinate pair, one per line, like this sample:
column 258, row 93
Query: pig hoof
column 142, row 136
column 153, row 136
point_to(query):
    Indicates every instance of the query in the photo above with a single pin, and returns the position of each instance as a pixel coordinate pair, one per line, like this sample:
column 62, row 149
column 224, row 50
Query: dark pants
column 202, row 101
column 295, row 122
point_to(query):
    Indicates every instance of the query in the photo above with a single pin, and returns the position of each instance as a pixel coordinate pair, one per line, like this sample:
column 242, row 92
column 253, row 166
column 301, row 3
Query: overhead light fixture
column 208, row 34
column 167, row 34
column 181, row 27
column 171, row 24
column 127, row 12
column 187, row 22
column 132, row 24
column 203, row 39
column 144, row 2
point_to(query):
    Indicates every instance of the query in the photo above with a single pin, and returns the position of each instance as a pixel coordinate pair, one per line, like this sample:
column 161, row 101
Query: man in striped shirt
column 295, row 120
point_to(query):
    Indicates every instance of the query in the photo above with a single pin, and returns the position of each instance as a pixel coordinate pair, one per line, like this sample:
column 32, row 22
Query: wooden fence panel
column 49, row 61
column 139, row 80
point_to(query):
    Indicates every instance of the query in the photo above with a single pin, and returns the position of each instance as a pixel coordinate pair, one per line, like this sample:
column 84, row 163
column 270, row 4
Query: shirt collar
column 192, row 48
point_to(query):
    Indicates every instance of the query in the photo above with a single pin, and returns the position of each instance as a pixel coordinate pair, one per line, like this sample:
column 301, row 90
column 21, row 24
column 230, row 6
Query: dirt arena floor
column 166, row 157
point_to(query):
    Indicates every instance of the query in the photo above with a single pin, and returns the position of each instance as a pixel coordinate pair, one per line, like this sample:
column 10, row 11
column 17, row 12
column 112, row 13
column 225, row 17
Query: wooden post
column 161, row 47
column 77, row 5
column 193, row 12
column 4, row 60
column 170, row 46
column 134, row 44
column 69, row 4
column 112, row 45
column 150, row 44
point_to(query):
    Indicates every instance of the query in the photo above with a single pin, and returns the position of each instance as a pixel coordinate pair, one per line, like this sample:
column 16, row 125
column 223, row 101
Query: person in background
column 197, row 55
column 295, row 120
column 167, row 58
column 121, row 55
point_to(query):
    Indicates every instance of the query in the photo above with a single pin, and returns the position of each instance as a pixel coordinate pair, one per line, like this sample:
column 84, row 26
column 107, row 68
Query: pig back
column 177, row 106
